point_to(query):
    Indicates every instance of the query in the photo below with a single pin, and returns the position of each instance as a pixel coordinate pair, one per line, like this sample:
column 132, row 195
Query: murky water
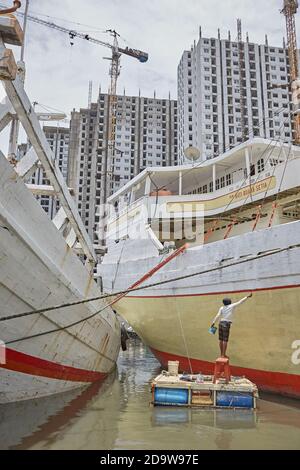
column 117, row 415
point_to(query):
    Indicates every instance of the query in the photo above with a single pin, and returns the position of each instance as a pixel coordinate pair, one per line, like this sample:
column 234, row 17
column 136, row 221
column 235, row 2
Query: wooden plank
column 27, row 165
column 8, row 66
column 60, row 220
column 19, row 99
column 11, row 30
column 6, row 113
column 71, row 238
column 41, row 189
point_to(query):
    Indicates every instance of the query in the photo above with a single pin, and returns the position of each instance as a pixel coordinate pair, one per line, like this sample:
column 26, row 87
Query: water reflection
column 118, row 415
column 23, row 424
column 222, row 419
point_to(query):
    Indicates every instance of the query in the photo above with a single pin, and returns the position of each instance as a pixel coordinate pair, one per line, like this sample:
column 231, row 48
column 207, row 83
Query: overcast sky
column 58, row 74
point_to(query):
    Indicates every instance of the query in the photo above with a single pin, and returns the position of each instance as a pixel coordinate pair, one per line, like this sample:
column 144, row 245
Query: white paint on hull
column 265, row 327
column 271, row 271
column 16, row 386
column 38, row 269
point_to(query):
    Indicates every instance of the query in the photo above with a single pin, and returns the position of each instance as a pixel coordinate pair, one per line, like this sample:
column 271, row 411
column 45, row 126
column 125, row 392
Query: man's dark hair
column 227, row 302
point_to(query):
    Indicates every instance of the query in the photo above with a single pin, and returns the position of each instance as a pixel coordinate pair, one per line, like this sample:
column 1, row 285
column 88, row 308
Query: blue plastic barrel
column 171, row 396
column 235, row 400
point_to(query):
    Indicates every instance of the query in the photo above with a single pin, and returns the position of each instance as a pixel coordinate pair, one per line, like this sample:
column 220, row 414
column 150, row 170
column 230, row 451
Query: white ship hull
column 173, row 319
column 38, row 269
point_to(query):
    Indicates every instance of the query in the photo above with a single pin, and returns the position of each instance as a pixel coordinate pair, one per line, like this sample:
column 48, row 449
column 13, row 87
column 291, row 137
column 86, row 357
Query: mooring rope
column 167, row 281
column 148, row 286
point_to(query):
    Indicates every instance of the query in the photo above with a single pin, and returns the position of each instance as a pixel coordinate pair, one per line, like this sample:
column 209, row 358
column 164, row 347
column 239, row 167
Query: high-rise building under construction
column 229, row 91
column 145, row 136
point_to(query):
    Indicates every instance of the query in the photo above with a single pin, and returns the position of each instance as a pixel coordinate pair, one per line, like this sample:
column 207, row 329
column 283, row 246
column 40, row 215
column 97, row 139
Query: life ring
column 161, row 193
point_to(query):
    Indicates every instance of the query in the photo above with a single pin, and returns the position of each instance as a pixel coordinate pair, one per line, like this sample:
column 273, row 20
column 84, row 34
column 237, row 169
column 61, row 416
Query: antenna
column 192, row 154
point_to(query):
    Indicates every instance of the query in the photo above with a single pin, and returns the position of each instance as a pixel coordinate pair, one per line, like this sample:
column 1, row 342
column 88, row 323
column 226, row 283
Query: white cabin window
column 261, row 165
column 228, row 180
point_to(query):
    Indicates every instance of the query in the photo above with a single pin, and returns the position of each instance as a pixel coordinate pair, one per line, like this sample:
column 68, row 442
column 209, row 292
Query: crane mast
column 106, row 173
column 107, row 169
column 114, row 74
column 289, row 10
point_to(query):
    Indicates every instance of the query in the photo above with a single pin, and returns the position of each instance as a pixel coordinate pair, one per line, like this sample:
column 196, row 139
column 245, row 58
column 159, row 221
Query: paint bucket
column 212, row 330
column 173, row 367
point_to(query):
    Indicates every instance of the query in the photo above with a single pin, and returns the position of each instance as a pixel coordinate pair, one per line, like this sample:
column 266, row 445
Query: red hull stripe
column 274, row 382
column 211, row 293
column 20, row 362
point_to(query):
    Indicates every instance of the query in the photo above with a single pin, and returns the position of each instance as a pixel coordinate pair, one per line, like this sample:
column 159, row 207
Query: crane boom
column 135, row 53
column 289, row 10
column 114, row 74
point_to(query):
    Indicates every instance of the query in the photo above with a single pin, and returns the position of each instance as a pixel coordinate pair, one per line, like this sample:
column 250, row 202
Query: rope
column 61, row 328
column 230, row 227
column 188, row 276
column 257, row 218
column 275, row 203
column 184, row 339
column 211, row 230
column 256, row 179
column 281, row 110
column 274, row 207
column 284, row 170
column 241, row 186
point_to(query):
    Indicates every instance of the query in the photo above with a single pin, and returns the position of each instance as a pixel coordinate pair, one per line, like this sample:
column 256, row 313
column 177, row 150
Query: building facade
column 146, row 135
column 58, row 138
column 228, row 90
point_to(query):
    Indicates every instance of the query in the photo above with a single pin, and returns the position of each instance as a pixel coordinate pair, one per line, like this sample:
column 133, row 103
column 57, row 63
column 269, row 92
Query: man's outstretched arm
column 240, row 302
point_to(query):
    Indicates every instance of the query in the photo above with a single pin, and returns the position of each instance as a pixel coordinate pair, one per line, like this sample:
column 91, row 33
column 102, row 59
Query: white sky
column 58, row 74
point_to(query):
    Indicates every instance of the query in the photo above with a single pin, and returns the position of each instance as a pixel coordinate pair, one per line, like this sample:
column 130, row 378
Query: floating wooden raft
column 201, row 391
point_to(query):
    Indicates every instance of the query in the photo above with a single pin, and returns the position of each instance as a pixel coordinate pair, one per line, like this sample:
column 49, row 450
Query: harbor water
column 117, row 415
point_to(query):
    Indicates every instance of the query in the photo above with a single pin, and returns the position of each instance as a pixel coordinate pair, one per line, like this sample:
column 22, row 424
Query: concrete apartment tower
column 146, row 135
column 58, row 138
column 210, row 77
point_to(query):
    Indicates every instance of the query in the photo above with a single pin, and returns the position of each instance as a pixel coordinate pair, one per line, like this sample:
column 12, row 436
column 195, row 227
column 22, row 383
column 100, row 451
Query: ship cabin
column 251, row 187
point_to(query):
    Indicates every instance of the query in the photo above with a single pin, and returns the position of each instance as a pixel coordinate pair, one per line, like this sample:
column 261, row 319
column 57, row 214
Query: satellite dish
column 192, row 154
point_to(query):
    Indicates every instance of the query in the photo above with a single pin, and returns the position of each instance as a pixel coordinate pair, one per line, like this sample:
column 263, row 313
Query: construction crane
column 289, row 10
column 114, row 69
column 116, row 53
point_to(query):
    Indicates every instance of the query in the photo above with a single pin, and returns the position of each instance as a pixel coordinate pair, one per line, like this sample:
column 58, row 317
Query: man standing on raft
column 225, row 314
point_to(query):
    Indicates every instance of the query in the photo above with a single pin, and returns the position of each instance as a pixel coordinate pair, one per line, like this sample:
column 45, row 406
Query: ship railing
column 156, row 202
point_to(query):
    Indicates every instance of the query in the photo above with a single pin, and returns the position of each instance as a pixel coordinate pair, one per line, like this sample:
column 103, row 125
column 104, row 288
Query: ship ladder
column 257, row 218
column 274, row 207
column 230, row 227
column 211, row 230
